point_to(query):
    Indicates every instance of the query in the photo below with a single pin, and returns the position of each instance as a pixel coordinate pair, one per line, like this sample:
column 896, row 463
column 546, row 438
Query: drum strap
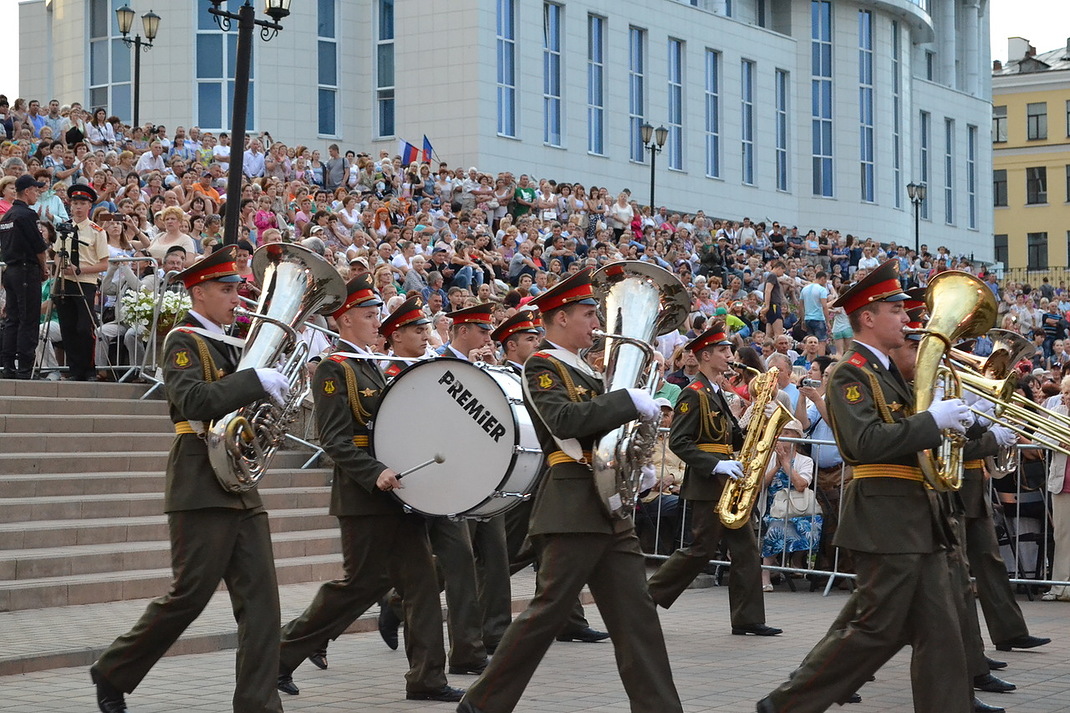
column 569, row 446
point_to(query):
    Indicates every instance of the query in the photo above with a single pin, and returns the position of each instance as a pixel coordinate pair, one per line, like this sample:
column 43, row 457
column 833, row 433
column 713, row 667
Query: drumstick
column 439, row 458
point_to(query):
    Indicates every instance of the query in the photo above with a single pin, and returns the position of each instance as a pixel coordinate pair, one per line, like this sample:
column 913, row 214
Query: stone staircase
column 81, row 499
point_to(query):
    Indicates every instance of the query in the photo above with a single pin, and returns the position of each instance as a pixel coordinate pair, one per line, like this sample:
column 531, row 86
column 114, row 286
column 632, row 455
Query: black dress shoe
column 981, row 707
column 388, row 625
column 109, row 698
column 469, row 670
column 757, row 630
column 319, row 658
column 994, row 665
column 286, row 685
column 1023, row 642
column 446, row 694
column 991, row 684
column 765, row 706
column 854, row 698
column 586, row 635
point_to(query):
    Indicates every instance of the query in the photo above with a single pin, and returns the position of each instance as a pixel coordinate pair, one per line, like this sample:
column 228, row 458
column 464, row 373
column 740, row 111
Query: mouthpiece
column 439, row 458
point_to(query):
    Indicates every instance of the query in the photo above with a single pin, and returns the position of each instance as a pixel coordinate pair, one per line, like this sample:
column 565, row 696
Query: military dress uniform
column 898, row 535
column 381, row 544
column 215, row 535
column 21, row 250
column 704, row 432
column 577, row 541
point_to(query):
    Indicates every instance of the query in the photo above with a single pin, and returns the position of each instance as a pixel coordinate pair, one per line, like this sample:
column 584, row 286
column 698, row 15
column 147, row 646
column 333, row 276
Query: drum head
column 451, row 408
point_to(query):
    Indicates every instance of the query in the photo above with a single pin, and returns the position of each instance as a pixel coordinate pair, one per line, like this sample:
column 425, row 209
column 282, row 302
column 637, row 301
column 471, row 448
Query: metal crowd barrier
column 1026, row 542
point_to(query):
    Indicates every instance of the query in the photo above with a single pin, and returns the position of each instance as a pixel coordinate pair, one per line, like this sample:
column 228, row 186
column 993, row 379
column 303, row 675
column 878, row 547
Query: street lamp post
column 916, row 193
column 150, row 22
column 659, row 135
column 246, row 19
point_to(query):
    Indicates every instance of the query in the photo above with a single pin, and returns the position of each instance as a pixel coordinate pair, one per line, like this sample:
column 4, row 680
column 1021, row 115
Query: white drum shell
column 474, row 416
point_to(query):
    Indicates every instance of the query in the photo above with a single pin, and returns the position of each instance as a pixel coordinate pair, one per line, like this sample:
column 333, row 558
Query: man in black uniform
column 215, row 534
column 23, row 251
column 577, row 541
column 380, row 543
column 704, row 435
column 519, row 338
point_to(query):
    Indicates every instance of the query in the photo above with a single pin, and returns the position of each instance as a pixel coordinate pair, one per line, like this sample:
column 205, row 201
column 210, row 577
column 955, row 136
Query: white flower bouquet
column 138, row 306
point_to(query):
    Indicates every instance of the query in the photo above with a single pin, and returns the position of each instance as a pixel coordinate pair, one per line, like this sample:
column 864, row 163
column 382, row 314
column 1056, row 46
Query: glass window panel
column 386, row 113
column 385, row 64
column 209, row 105
column 98, row 96
column 98, row 62
column 98, row 18
column 121, row 105
column 386, row 20
column 232, row 56
column 210, row 57
column 205, row 20
column 328, row 64
column 325, row 24
column 120, row 62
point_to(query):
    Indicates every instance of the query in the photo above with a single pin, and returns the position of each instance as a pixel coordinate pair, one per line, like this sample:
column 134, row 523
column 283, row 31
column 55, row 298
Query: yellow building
column 1031, row 161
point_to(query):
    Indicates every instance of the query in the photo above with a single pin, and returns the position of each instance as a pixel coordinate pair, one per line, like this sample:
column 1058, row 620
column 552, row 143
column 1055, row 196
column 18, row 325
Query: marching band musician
column 381, row 544
column 75, row 298
column 577, row 541
column 891, row 522
column 704, row 435
column 519, row 337
column 407, row 332
column 215, row 534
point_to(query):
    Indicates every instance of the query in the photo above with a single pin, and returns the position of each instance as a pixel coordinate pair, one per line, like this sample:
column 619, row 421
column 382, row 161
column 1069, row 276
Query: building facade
column 1031, row 160
column 813, row 112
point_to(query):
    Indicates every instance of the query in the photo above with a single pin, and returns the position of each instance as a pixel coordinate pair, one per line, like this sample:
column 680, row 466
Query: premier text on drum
column 472, row 406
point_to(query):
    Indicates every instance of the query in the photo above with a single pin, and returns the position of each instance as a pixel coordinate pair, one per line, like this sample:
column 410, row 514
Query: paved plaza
column 714, row 671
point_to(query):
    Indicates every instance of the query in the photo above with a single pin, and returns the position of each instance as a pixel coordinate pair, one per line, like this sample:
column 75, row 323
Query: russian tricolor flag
column 428, row 150
column 409, row 153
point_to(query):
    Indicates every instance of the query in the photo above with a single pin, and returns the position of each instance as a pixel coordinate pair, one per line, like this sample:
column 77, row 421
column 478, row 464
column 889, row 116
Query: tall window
column 1036, row 121
column 1000, row 245
column 636, row 100
column 1037, row 251
column 327, row 47
column 971, row 177
column 930, row 65
column 747, row 120
column 923, row 153
column 999, row 124
column 865, row 104
column 1068, row 117
column 384, row 63
column 216, row 55
column 821, row 101
column 596, row 84
column 506, row 60
column 897, row 119
column 109, row 61
column 1068, row 185
column 551, row 74
column 1036, row 185
column 713, row 114
column 949, row 171
column 781, row 108
column 675, row 147
column 999, row 187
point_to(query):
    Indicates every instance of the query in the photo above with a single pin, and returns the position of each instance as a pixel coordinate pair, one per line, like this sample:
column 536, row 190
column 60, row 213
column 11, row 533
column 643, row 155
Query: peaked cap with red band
column 411, row 311
column 81, row 192
column 915, row 320
column 479, row 315
column 880, row 285
column 524, row 321
column 713, row 337
column 574, row 290
column 915, row 298
column 218, row 266
column 360, row 292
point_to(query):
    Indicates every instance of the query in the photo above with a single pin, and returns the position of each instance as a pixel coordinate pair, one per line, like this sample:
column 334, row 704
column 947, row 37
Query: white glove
column 985, row 406
column 732, row 468
column 1004, row 436
column 644, row 404
column 951, row 414
column 649, row 478
column 275, row 384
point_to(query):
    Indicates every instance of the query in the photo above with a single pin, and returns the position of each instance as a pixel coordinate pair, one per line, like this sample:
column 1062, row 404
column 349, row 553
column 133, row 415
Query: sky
column 1045, row 23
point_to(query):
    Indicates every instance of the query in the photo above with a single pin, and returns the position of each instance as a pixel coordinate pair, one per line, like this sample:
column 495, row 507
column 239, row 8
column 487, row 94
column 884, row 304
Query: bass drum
column 474, row 417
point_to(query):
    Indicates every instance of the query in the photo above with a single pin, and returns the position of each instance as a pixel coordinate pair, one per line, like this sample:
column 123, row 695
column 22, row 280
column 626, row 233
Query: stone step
column 51, row 484
column 156, row 554
column 76, row 389
column 84, row 443
column 40, row 405
column 84, row 423
column 92, row 531
column 24, row 463
column 136, row 584
column 109, row 505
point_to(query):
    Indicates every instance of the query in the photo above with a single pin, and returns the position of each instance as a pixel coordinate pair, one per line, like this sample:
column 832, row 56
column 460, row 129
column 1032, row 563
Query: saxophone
column 738, row 497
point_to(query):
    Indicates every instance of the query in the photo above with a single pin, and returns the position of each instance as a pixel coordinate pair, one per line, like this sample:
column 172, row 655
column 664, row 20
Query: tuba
column 296, row 283
column 738, row 497
column 960, row 307
column 639, row 302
